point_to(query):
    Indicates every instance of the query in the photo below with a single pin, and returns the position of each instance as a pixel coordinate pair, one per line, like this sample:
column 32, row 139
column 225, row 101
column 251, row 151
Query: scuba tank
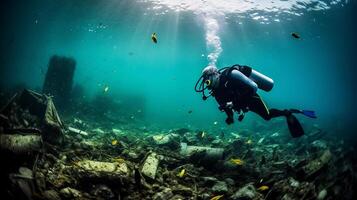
column 264, row 83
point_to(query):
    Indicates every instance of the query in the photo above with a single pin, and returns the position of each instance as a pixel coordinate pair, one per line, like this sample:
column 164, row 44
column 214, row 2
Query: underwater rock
column 287, row 197
column 170, row 140
column 316, row 134
column 220, row 187
column 182, row 190
column 23, row 180
column 190, row 138
column 237, row 146
column 20, row 144
column 322, row 195
column 150, row 165
column 161, row 139
column 229, row 181
column 51, row 195
column 280, row 164
column 88, row 145
column 70, row 193
column 182, row 131
column 25, row 172
column 102, row 191
column 133, row 155
column 293, row 182
column 216, row 142
column 40, row 181
column 314, row 166
column 318, row 145
column 177, row 197
column 284, row 189
column 100, row 170
column 165, row 194
column 209, row 180
column 247, row 192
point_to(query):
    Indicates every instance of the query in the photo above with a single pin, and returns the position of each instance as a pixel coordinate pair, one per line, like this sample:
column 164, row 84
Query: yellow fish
column 237, row 161
column 182, row 173
column 263, row 188
column 115, row 142
column 249, row 142
column 106, row 88
column 217, row 197
column 154, row 38
column 119, row 160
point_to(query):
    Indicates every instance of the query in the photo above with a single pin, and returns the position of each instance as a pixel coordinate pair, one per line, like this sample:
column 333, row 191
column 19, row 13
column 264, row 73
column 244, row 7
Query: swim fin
column 309, row 113
column 295, row 127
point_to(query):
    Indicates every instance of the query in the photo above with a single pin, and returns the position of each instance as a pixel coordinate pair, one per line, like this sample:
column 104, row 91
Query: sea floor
column 89, row 158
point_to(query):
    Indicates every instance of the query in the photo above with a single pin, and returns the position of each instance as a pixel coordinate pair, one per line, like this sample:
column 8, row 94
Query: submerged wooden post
column 59, row 79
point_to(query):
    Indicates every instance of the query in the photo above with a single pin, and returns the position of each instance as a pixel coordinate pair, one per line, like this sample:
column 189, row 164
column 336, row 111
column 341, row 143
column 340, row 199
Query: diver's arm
column 238, row 79
column 229, row 113
column 227, row 108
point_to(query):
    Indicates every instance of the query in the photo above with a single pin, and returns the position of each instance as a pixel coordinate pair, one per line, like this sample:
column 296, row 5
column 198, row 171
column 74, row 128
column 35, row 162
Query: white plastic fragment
column 150, row 165
column 74, row 130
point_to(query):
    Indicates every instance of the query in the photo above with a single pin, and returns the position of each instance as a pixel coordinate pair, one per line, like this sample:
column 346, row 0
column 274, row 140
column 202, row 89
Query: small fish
column 181, row 173
column 217, row 197
column 237, row 161
column 130, row 53
column 190, row 111
column 119, row 160
column 295, row 35
column 249, row 142
column 215, row 123
column 115, row 142
column 203, row 134
column 154, row 38
column 106, row 89
column 263, row 188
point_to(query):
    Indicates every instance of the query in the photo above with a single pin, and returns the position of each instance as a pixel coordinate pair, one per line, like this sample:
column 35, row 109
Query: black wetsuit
column 243, row 96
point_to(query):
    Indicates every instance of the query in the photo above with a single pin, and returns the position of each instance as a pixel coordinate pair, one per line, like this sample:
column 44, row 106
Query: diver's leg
column 258, row 106
column 278, row 113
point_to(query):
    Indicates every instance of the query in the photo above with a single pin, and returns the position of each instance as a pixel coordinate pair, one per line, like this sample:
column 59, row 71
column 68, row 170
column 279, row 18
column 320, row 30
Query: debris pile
column 80, row 159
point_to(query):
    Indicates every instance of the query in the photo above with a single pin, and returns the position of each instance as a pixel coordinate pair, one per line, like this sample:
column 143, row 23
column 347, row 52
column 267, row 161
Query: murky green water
column 110, row 41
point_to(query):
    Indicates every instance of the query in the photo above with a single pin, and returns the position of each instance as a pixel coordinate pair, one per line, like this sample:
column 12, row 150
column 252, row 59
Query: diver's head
column 210, row 77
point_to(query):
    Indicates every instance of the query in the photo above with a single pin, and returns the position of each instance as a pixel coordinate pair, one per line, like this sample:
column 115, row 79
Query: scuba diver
column 235, row 90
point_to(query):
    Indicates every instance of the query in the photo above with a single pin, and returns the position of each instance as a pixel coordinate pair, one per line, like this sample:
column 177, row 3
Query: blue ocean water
column 111, row 43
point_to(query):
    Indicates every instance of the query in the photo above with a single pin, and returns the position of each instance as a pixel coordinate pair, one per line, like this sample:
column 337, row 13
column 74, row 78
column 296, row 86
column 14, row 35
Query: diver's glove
column 241, row 117
column 228, row 109
column 229, row 120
